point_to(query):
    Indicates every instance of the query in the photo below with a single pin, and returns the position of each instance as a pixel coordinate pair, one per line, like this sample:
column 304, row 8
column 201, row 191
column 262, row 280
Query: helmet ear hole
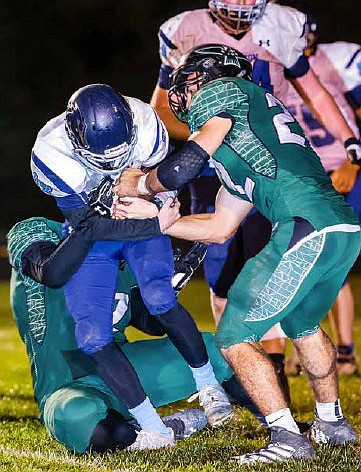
column 201, row 65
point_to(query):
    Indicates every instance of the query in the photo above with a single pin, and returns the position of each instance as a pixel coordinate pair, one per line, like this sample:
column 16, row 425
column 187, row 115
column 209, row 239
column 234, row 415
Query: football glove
column 101, row 198
column 353, row 149
column 185, row 266
column 160, row 198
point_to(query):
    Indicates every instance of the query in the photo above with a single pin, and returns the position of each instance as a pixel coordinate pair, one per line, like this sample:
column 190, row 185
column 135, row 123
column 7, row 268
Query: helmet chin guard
column 236, row 18
column 99, row 123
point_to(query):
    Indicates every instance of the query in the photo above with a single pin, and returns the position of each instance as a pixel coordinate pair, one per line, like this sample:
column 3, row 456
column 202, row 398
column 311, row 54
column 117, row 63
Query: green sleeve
column 219, row 96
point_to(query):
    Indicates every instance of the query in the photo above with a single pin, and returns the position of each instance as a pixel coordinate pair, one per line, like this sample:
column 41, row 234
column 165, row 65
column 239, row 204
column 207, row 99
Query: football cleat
column 215, row 403
column 185, row 423
column 152, row 440
column 185, row 266
column 333, row 433
column 284, row 446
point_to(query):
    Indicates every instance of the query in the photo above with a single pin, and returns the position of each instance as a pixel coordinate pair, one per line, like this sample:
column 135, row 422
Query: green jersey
column 266, row 158
column 43, row 320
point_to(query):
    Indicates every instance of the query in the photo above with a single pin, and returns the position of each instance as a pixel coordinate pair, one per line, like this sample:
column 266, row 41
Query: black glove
column 353, row 149
column 101, row 198
column 185, row 266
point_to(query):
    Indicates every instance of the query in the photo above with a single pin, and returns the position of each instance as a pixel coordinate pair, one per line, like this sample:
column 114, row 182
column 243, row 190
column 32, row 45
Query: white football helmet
column 234, row 16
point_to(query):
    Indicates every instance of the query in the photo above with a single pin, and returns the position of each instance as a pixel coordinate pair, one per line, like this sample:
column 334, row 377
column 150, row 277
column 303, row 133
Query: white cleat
column 152, row 440
column 215, row 403
column 186, row 423
column 284, row 446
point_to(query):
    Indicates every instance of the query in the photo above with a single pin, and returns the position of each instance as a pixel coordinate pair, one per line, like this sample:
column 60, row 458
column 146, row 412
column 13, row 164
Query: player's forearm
column 202, row 227
column 335, row 123
column 93, row 227
column 323, row 106
column 175, row 128
column 53, row 265
column 176, row 171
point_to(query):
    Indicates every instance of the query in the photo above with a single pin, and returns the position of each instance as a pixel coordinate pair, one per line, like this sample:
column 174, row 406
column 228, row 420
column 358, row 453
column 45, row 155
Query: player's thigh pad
column 274, row 283
column 72, row 412
column 339, row 253
column 90, row 296
column 151, row 260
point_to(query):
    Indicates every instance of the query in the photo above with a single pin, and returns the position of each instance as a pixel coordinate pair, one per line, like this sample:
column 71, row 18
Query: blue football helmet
column 99, row 123
column 234, row 16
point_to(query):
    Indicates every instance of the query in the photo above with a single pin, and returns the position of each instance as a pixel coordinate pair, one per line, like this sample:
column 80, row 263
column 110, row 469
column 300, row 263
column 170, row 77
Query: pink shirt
column 333, row 65
column 276, row 42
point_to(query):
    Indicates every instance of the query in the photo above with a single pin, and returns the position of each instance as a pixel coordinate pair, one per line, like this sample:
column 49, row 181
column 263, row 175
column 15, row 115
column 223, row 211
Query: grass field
column 25, row 446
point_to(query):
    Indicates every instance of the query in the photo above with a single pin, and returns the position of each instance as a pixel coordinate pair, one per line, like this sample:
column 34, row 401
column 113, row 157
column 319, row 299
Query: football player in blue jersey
column 75, row 158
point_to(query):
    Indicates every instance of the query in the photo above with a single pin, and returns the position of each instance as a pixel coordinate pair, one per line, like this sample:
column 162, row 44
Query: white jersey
column 58, row 172
column 338, row 66
column 275, row 43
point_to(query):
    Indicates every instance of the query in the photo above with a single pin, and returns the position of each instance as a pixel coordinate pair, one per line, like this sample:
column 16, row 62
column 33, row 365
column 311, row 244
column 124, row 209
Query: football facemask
column 99, row 124
column 113, row 161
column 234, row 16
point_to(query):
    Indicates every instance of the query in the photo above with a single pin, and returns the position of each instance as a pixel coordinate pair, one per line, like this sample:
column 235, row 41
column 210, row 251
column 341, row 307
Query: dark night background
column 51, row 48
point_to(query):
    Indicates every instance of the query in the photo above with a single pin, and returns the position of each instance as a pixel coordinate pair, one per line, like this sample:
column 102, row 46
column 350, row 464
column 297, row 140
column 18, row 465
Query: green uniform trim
column 295, row 287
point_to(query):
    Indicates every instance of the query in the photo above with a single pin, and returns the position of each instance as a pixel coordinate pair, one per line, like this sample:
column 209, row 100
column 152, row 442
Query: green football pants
column 72, row 412
column 295, row 286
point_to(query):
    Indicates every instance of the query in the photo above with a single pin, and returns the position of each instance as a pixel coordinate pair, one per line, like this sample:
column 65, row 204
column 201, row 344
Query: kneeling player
column 76, row 406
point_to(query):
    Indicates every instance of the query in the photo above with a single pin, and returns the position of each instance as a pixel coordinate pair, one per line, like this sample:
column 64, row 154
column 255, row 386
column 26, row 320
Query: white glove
column 353, row 149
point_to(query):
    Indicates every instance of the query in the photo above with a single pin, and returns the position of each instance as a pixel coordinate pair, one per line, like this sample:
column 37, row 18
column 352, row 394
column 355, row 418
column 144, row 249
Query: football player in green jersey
column 76, row 406
column 263, row 159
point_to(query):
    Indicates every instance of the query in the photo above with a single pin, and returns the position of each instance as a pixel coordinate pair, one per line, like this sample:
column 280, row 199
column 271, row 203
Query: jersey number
column 281, row 120
column 323, row 138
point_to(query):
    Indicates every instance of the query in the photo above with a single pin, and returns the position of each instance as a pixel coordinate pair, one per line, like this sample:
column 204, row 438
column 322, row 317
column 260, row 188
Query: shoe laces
column 208, row 394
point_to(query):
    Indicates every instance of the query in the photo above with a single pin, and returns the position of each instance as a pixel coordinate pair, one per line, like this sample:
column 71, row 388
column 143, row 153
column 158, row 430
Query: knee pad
column 78, row 408
column 91, row 336
column 71, row 415
column 158, row 295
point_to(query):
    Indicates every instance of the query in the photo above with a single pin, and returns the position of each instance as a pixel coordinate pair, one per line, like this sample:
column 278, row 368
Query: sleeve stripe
column 354, row 97
column 353, row 58
column 166, row 40
column 72, row 201
column 300, row 69
column 156, row 144
column 55, row 179
column 164, row 76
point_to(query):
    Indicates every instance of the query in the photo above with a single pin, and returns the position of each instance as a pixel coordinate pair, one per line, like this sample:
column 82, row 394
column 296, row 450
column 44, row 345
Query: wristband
column 142, row 188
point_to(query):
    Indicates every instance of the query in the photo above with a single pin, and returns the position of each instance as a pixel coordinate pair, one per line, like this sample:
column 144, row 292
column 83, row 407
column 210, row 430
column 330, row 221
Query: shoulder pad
column 281, row 31
column 178, row 34
column 346, row 59
column 153, row 140
column 54, row 168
